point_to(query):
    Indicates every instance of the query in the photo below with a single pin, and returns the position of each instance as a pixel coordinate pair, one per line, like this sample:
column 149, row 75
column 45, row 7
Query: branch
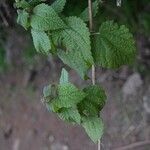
column 134, row 145
column 90, row 15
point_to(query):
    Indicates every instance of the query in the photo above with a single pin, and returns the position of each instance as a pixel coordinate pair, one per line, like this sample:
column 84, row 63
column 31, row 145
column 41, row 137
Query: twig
column 6, row 9
column 90, row 15
column 91, row 29
column 93, row 67
column 4, row 19
column 134, row 145
column 93, row 75
column 99, row 145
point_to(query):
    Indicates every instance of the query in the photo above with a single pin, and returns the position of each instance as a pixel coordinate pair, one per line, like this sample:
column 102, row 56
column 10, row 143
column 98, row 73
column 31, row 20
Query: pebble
column 131, row 86
column 146, row 101
column 59, row 146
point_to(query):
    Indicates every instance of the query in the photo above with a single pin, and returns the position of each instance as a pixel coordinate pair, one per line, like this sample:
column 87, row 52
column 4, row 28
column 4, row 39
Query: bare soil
column 25, row 124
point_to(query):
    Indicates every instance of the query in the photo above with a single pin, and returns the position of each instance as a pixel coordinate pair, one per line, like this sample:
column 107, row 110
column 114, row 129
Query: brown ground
column 25, row 124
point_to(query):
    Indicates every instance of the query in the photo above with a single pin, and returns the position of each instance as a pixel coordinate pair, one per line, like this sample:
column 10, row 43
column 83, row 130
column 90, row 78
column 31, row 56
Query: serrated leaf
column 22, row 4
column 70, row 115
column 68, row 96
column 35, row 2
column 94, row 128
column 23, row 18
column 45, row 18
column 58, row 5
column 85, row 14
column 94, row 101
column 96, row 94
column 114, row 46
column 64, row 77
column 77, row 37
column 41, row 41
column 75, row 60
column 76, row 41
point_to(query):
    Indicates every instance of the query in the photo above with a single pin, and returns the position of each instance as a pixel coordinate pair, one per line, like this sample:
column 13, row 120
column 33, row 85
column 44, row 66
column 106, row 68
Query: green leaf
column 68, row 96
column 59, row 5
column 23, row 18
column 45, row 18
column 76, row 42
column 64, row 77
column 97, row 94
column 77, row 37
column 75, row 60
column 35, row 2
column 41, row 41
column 114, row 46
column 70, row 115
column 94, row 128
column 22, row 4
column 85, row 14
column 93, row 102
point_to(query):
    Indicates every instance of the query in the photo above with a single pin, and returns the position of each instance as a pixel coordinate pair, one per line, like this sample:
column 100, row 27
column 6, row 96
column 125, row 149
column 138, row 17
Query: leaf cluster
column 70, row 39
column 77, row 106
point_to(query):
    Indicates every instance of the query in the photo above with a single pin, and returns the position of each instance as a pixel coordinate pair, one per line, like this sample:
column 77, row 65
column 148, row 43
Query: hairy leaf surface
column 77, row 36
column 70, row 115
column 41, row 41
column 59, row 5
column 75, row 40
column 93, row 102
column 45, row 18
column 22, row 4
column 114, row 46
column 68, row 96
column 94, row 127
column 75, row 60
column 23, row 18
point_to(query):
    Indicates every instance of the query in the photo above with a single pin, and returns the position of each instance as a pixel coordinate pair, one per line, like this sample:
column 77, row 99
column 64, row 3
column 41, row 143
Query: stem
column 93, row 66
column 99, row 145
column 93, row 75
column 134, row 145
column 91, row 29
column 90, row 15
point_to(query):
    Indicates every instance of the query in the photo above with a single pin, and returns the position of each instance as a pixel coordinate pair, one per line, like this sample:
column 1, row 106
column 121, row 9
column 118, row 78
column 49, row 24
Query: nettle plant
column 81, row 48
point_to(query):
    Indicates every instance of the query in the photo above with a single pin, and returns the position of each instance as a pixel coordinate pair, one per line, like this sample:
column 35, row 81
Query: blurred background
column 25, row 124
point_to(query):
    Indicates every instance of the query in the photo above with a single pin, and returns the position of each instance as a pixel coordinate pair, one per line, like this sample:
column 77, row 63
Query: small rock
column 59, row 146
column 146, row 101
column 16, row 144
column 51, row 138
column 1, row 112
column 132, row 84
